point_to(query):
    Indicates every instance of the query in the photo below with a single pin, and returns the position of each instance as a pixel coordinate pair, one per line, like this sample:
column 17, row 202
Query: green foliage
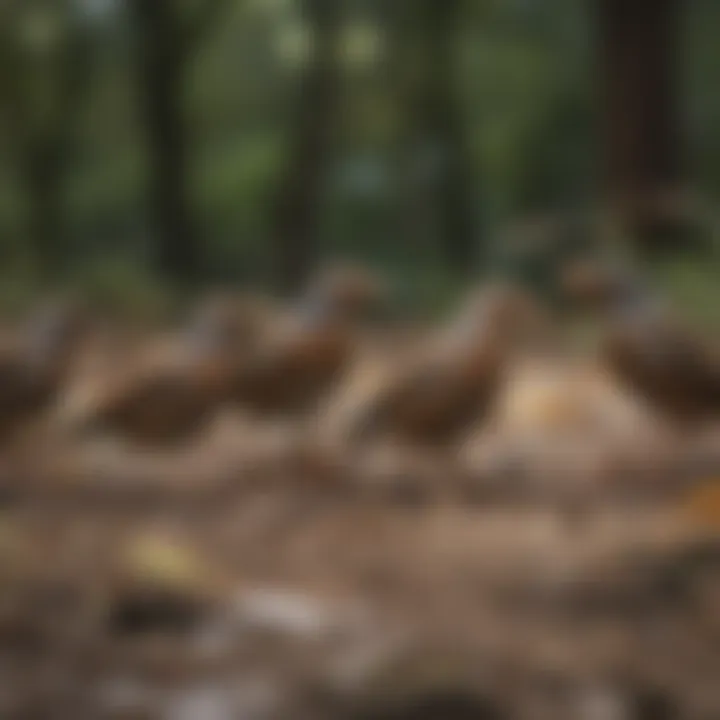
column 524, row 74
column 693, row 286
column 118, row 285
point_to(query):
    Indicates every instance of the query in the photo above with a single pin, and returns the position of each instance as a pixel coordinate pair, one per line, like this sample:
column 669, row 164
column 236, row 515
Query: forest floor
column 551, row 577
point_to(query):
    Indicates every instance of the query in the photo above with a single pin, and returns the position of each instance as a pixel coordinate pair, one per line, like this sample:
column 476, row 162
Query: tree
column 167, row 36
column 638, row 56
column 297, row 204
column 436, row 152
column 440, row 112
column 44, row 79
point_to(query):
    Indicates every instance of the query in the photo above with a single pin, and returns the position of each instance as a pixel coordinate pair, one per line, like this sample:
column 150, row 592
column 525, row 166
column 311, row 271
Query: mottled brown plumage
column 34, row 368
column 648, row 349
column 300, row 358
column 434, row 400
column 168, row 399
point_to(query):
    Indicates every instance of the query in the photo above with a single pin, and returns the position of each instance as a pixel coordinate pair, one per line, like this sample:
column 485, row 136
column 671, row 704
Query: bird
column 657, row 358
column 646, row 347
column 165, row 400
column 35, row 368
column 301, row 357
column 242, row 315
column 433, row 401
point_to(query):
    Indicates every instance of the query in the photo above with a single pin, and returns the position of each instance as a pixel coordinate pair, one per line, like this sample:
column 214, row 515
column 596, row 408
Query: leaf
column 703, row 504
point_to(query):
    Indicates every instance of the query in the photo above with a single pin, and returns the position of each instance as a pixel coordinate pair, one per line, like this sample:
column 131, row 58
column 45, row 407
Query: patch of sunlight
column 163, row 560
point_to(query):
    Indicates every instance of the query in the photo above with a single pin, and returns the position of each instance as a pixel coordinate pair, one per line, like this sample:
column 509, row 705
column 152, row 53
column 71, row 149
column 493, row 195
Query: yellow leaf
column 703, row 503
column 163, row 560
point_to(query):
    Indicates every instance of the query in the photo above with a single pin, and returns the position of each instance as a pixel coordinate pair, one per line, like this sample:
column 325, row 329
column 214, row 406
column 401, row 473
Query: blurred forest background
column 152, row 146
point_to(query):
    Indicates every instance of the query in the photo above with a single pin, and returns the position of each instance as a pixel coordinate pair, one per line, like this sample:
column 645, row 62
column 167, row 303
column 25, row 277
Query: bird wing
column 148, row 382
column 681, row 352
column 667, row 359
column 290, row 367
column 164, row 408
column 405, row 392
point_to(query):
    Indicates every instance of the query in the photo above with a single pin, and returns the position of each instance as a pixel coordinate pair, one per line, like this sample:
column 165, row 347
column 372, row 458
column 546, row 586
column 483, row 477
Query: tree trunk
column 160, row 63
column 42, row 178
column 444, row 109
column 638, row 47
column 298, row 203
column 438, row 150
column 41, row 97
column 412, row 222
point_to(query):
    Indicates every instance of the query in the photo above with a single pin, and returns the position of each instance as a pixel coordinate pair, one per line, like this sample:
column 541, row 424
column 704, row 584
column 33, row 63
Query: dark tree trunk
column 160, row 62
column 40, row 135
column 298, row 203
column 43, row 174
column 638, row 46
column 437, row 151
column 412, row 223
column 444, row 113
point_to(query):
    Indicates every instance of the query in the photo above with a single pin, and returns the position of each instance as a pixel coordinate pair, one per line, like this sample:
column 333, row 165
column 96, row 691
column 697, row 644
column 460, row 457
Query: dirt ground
column 563, row 566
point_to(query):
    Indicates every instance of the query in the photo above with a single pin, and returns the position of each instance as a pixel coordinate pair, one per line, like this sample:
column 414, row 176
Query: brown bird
column 648, row 349
column 435, row 400
column 299, row 360
column 241, row 316
column 35, row 368
column 167, row 401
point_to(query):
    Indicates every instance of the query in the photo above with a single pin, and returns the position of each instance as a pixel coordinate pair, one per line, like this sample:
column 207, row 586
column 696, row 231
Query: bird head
column 350, row 293
column 598, row 287
column 505, row 313
column 229, row 321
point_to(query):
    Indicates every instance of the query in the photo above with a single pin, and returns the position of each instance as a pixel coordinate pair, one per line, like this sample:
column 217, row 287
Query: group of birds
column 278, row 363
